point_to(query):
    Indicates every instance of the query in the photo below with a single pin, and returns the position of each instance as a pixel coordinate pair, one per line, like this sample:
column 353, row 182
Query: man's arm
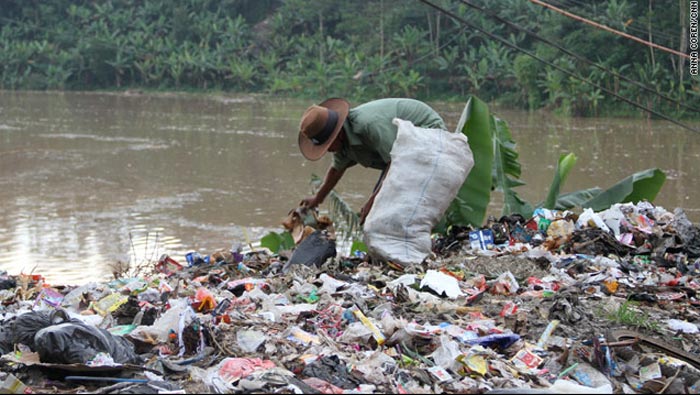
column 370, row 202
column 332, row 177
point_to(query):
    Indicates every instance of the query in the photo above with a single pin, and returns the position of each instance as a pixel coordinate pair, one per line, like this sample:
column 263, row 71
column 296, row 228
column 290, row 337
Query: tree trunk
column 323, row 41
column 437, row 34
column 381, row 34
column 430, row 29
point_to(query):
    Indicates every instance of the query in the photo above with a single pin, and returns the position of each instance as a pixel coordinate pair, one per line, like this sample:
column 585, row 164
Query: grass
column 628, row 314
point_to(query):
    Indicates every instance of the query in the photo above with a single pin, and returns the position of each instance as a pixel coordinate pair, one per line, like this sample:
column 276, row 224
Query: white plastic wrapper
column 588, row 218
column 441, row 283
column 683, row 326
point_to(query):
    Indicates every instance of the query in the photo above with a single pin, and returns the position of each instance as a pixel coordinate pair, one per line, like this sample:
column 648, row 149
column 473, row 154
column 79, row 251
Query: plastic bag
column 446, row 354
column 588, row 376
column 682, row 326
column 232, row 369
column 588, row 218
column 89, row 291
column 498, row 340
column 75, row 342
column 22, row 329
column 375, row 366
column 568, row 387
column 162, row 326
column 355, row 333
column 332, row 370
column 314, row 250
column 250, row 340
column 418, row 188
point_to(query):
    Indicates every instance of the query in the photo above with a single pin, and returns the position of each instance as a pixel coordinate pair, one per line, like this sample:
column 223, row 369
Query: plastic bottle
column 13, row 385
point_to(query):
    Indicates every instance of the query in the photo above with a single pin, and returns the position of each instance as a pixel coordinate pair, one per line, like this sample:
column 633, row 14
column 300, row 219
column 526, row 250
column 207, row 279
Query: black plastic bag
column 76, row 342
column 21, row 329
column 6, row 335
column 332, row 370
column 313, row 250
column 7, row 282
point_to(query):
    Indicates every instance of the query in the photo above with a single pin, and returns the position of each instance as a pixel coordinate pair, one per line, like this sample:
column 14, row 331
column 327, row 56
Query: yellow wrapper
column 376, row 333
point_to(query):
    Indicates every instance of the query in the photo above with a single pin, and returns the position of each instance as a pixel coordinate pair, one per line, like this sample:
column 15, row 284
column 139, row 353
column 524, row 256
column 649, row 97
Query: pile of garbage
column 558, row 303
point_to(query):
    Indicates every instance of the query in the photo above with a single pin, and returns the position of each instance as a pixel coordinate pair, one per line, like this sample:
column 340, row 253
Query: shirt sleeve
column 420, row 114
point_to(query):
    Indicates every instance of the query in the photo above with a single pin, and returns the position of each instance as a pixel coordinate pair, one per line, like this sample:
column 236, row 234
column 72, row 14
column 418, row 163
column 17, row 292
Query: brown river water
column 89, row 179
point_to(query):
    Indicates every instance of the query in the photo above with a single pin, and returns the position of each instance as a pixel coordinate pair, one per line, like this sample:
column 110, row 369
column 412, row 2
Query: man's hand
column 332, row 177
column 310, row 202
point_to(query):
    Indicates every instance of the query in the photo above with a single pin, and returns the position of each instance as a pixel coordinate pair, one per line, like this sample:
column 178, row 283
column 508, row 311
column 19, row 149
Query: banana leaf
column 576, row 199
column 564, row 166
column 505, row 165
column 346, row 220
column 506, row 156
column 277, row 242
column 644, row 185
column 469, row 207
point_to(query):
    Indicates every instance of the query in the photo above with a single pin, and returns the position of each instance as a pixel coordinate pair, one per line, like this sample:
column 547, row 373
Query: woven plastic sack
column 428, row 166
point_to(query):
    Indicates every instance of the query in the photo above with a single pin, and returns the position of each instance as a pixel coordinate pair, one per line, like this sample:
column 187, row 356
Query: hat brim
column 312, row 151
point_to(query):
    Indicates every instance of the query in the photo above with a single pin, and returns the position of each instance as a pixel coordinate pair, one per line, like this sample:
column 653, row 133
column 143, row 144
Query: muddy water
column 87, row 179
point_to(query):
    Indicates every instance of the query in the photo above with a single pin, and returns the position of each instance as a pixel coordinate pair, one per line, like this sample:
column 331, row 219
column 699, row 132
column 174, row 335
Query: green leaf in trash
column 277, row 242
column 644, row 185
column 358, row 245
column 271, row 241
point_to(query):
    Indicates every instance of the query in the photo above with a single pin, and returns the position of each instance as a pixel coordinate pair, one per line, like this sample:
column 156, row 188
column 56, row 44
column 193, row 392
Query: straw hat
column 320, row 125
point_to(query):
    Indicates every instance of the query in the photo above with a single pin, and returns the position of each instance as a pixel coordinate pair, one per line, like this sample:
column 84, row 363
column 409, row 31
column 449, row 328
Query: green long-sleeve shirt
column 371, row 133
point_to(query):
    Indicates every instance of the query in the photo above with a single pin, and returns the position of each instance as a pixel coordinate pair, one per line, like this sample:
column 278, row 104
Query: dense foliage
column 360, row 49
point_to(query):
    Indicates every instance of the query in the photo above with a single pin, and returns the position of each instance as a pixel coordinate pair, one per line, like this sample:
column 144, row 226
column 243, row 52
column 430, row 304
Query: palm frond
column 346, row 221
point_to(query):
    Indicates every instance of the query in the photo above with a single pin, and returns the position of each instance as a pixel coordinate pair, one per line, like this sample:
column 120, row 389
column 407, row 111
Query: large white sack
column 428, row 166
